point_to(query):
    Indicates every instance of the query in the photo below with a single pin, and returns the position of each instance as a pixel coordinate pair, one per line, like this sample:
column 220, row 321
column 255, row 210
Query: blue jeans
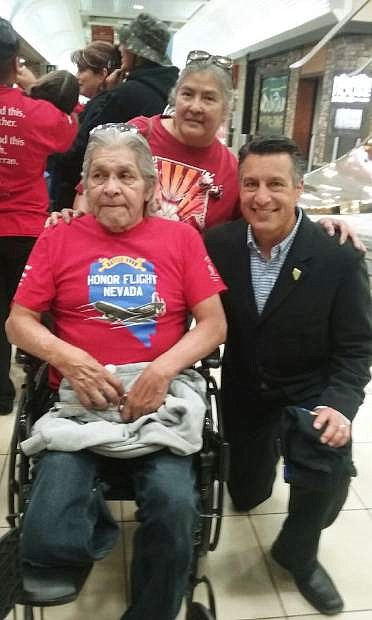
column 67, row 522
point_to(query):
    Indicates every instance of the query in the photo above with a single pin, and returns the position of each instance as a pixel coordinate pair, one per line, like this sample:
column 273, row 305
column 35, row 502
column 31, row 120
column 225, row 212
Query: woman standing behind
column 94, row 64
column 198, row 180
column 197, row 173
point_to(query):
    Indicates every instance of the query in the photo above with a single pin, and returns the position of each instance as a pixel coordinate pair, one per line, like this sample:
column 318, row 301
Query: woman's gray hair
column 114, row 137
column 222, row 77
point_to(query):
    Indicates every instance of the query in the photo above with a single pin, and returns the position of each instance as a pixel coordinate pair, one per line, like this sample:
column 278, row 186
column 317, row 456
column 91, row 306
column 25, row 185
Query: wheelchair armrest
column 213, row 360
column 43, row 587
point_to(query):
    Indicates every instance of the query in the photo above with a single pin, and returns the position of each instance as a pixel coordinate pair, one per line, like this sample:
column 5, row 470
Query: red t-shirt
column 198, row 185
column 121, row 297
column 30, row 130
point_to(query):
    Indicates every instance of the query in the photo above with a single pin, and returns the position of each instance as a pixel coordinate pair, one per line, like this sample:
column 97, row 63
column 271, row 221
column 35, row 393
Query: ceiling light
column 138, row 7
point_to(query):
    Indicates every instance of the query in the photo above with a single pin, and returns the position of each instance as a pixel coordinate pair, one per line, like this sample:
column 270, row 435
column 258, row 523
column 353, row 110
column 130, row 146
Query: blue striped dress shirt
column 265, row 271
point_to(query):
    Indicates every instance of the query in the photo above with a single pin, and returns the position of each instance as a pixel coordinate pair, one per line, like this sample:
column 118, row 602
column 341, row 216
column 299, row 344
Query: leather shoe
column 316, row 587
column 320, row 591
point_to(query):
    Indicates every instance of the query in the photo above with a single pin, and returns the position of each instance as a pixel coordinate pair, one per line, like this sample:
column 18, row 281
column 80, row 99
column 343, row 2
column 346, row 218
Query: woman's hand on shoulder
column 333, row 225
column 66, row 215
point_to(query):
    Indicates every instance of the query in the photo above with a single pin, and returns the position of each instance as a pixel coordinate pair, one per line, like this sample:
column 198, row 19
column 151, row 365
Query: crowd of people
column 172, row 225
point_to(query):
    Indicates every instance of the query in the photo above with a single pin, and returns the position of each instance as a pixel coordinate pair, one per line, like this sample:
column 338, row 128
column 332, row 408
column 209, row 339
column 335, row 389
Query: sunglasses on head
column 122, row 127
column 200, row 56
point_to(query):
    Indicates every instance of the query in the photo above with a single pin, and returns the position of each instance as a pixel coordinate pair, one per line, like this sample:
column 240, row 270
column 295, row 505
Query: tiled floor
column 246, row 583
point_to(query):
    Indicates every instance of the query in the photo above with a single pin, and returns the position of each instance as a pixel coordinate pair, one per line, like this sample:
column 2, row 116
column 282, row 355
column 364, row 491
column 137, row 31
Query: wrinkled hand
column 94, row 385
column 331, row 225
column 146, row 395
column 66, row 215
column 337, row 428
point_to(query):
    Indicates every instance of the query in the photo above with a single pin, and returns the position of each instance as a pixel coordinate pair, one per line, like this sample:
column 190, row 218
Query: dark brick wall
column 343, row 54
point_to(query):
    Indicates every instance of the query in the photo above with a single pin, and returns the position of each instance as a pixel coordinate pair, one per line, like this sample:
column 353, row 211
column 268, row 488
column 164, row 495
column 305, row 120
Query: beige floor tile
column 129, row 510
column 354, row 529
column 2, row 463
column 239, row 576
column 353, row 501
column 228, row 508
column 348, row 615
column 368, row 388
column 237, row 571
column 115, row 509
column 6, row 429
column 19, row 614
column 362, row 483
column 17, row 375
column 277, row 503
column 362, row 425
column 103, row 596
column 3, row 491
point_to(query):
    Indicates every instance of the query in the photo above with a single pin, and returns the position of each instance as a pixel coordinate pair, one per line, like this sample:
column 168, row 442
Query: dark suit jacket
column 312, row 344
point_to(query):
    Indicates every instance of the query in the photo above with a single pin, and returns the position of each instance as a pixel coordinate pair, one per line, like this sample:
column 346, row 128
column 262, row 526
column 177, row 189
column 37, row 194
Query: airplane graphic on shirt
column 122, row 292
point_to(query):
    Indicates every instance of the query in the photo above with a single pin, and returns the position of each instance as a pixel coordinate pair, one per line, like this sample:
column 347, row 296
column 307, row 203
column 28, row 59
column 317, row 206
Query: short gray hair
column 222, row 77
column 113, row 137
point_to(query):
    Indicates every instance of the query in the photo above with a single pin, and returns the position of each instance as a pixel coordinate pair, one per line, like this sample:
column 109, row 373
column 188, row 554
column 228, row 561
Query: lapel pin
column 296, row 273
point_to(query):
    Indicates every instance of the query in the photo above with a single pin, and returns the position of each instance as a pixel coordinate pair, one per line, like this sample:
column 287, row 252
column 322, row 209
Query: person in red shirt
column 120, row 287
column 198, row 174
column 30, row 130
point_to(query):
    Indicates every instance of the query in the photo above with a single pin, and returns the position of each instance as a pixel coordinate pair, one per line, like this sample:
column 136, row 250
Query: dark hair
column 270, row 145
column 96, row 56
column 60, row 88
column 9, row 48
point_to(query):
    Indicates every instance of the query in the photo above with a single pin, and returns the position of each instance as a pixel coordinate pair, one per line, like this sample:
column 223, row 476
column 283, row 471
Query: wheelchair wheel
column 197, row 611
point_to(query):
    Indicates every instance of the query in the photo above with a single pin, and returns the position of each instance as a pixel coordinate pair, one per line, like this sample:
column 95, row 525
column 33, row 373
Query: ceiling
column 115, row 13
column 55, row 28
column 52, row 29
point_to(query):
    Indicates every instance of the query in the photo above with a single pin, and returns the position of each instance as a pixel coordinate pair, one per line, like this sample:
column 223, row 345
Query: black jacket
column 313, row 341
column 144, row 93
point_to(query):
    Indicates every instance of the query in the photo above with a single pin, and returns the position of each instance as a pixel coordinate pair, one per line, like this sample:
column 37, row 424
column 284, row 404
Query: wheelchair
column 63, row 585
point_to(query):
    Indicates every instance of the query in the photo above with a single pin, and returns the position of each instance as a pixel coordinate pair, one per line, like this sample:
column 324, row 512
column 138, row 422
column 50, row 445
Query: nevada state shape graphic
column 122, row 291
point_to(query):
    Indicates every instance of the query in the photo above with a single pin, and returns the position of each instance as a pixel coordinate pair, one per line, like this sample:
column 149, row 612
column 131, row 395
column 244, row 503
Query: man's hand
column 94, row 385
column 331, row 225
column 337, row 428
column 146, row 395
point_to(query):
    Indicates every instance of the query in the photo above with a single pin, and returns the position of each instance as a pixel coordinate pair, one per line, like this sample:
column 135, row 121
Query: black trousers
column 255, row 451
column 14, row 252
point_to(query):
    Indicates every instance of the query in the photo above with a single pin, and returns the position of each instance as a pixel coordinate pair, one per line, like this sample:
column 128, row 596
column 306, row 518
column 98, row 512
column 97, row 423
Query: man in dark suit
column 299, row 334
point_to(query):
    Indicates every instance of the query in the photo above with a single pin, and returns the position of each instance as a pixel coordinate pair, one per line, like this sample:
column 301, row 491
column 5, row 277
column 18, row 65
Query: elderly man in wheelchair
column 120, row 287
